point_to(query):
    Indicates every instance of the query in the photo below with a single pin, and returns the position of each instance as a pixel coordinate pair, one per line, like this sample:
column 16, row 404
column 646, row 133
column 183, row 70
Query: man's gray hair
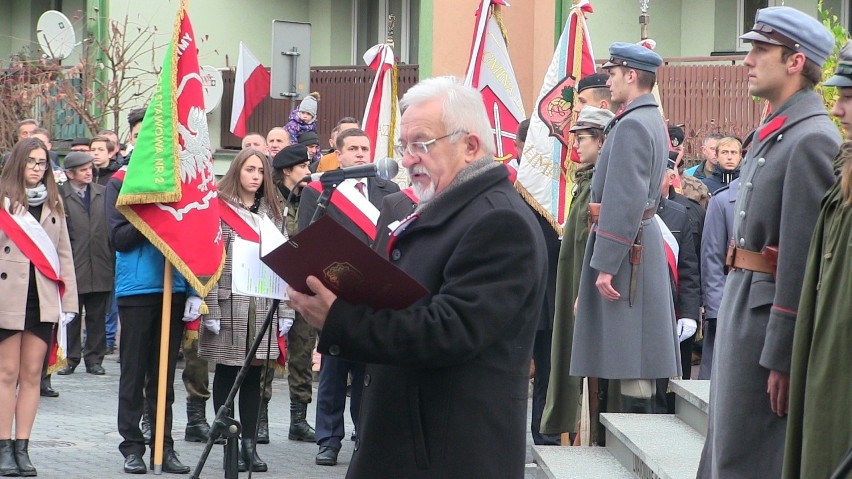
column 464, row 109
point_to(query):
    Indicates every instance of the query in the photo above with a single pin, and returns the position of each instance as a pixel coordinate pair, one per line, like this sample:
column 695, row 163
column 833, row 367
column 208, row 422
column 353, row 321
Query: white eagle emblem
column 197, row 151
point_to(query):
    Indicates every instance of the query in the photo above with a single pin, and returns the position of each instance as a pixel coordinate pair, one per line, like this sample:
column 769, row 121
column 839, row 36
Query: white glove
column 190, row 311
column 686, row 328
column 67, row 318
column 211, row 324
column 284, row 325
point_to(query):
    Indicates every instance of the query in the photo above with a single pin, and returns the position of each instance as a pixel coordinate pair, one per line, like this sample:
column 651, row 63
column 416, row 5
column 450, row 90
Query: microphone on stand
column 386, row 169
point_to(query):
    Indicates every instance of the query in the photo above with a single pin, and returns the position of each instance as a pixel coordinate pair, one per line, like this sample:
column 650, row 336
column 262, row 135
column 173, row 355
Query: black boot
column 263, row 423
column 145, row 425
column 197, row 429
column 8, row 464
column 241, row 464
column 250, row 457
column 300, row 430
column 22, row 457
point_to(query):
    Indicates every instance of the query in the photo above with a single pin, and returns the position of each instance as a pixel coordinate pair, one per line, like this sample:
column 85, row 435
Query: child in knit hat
column 303, row 118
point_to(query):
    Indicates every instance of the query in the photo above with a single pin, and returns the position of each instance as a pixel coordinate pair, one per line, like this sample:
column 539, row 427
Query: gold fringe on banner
column 394, row 107
column 497, row 11
column 530, row 199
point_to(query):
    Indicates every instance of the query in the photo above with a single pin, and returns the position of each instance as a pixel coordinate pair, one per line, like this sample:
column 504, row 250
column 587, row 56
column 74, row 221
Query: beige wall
column 530, row 28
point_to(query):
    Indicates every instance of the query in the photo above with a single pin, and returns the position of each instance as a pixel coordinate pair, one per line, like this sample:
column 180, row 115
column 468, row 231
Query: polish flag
column 382, row 111
column 251, row 86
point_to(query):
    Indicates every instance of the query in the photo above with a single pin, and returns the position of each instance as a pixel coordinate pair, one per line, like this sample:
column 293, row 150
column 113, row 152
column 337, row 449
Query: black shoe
column 263, row 423
column 22, row 457
column 8, row 464
column 49, row 392
column 250, row 457
column 96, row 369
column 66, row 370
column 172, row 464
column 327, row 456
column 145, row 423
column 133, row 464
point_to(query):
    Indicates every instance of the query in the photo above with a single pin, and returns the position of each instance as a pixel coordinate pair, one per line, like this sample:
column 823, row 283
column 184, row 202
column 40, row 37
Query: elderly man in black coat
column 445, row 391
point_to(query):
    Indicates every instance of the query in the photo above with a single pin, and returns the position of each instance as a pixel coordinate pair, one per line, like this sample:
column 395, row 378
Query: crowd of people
column 740, row 260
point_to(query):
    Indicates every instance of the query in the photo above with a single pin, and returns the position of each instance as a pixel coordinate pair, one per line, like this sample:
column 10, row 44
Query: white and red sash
column 240, row 220
column 28, row 235
column 354, row 206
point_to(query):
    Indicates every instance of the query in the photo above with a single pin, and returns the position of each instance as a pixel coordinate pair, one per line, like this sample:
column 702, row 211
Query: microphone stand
column 223, row 425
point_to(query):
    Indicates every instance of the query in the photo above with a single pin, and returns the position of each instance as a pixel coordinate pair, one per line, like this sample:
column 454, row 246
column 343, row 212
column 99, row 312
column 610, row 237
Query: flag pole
column 163, row 375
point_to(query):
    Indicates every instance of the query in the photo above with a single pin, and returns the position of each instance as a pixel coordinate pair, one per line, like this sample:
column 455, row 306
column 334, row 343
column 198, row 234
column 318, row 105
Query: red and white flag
column 490, row 71
column 251, row 86
column 546, row 173
column 382, row 112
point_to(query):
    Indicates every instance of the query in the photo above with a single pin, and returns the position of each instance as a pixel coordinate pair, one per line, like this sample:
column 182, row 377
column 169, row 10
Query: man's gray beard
column 426, row 194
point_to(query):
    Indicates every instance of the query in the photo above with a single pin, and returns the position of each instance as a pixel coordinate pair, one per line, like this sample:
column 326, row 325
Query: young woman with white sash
column 38, row 288
column 246, row 193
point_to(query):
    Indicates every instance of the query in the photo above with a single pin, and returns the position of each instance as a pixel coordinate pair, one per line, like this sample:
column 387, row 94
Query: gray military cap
column 795, row 30
column 843, row 75
column 592, row 117
column 75, row 159
column 633, row 56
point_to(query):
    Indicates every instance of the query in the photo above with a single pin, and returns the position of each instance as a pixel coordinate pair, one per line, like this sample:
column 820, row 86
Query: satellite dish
column 211, row 81
column 55, row 34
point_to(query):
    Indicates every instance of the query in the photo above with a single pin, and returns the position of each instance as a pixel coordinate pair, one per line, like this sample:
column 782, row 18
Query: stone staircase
column 660, row 446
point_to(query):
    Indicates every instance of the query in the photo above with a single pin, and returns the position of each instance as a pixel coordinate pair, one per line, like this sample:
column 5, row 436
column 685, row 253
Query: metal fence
column 343, row 92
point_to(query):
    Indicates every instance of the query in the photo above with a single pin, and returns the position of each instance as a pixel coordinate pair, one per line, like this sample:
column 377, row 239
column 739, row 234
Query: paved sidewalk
column 75, row 434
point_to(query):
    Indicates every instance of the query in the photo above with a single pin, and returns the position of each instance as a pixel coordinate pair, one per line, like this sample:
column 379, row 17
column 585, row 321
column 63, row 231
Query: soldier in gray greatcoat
column 783, row 178
column 625, row 326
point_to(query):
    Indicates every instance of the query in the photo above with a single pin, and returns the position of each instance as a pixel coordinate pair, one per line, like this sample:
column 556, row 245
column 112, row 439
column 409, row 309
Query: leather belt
column 595, row 213
column 765, row 261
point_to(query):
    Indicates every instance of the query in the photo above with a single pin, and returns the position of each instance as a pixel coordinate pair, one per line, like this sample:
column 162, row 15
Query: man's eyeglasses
column 36, row 165
column 421, row 147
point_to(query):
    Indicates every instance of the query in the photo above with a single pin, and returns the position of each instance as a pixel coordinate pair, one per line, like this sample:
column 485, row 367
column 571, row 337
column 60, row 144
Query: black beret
column 290, row 156
column 676, row 135
column 595, row 80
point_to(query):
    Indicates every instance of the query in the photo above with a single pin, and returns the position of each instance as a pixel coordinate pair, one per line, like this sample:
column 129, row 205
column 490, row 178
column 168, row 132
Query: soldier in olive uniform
column 625, row 317
column 783, row 178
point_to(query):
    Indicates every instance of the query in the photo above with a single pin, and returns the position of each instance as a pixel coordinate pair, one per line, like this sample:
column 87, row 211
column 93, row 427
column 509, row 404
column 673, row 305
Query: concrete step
column 653, row 445
column 692, row 402
column 556, row 462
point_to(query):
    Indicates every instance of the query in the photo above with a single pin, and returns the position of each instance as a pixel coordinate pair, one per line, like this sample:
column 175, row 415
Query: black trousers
column 541, row 356
column 249, row 394
column 140, row 318
column 95, row 305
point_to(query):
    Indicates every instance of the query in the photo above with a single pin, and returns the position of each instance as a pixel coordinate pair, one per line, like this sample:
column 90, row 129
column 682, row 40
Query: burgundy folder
column 348, row 267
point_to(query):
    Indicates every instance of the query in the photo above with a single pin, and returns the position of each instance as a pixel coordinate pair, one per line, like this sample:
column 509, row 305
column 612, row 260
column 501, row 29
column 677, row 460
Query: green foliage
column 841, row 35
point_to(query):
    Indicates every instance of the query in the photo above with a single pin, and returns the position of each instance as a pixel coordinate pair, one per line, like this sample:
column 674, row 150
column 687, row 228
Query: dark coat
column 376, row 190
column 719, row 179
column 696, row 214
column 94, row 259
column 687, row 296
column 614, row 339
column 395, row 207
column 784, row 176
column 445, row 392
